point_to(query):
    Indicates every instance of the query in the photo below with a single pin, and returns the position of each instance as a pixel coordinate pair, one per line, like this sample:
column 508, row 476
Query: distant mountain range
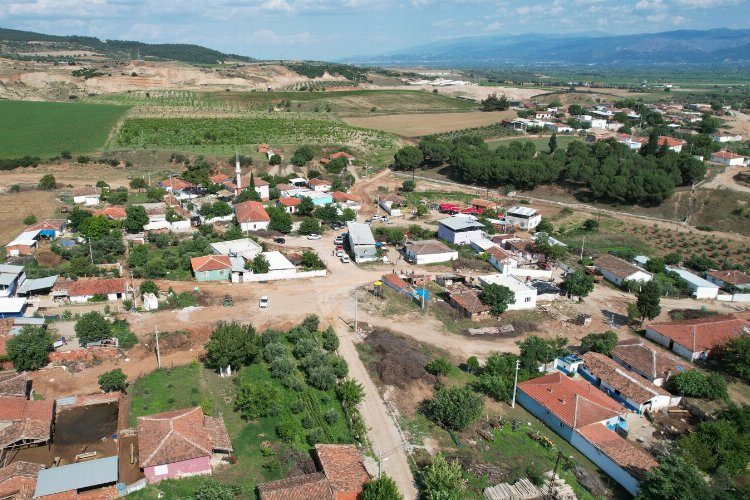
column 671, row 47
column 27, row 44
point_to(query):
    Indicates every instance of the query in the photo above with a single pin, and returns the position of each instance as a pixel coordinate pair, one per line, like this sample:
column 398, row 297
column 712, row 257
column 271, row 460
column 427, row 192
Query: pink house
column 180, row 443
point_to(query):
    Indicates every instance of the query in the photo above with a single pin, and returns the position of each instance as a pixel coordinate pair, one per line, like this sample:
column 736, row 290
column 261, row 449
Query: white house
column 481, row 245
column 460, row 230
column 524, row 217
column 24, row 244
column 525, row 296
column 429, row 252
column 83, row 290
column 729, row 278
column 727, row 158
column 362, row 242
column 617, row 271
column 321, row 185
column 251, row 216
column 559, row 128
column 702, row 289
column 246, row 248
column 392, row 204
column 501, row 260
column 719, row 137
column 89, row 195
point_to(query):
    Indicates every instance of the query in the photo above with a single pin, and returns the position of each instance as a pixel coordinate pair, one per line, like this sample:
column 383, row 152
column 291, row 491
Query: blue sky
column 336, row 29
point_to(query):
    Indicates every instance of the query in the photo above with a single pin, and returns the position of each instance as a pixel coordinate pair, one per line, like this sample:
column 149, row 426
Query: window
column 205, row 274
column 527, row 299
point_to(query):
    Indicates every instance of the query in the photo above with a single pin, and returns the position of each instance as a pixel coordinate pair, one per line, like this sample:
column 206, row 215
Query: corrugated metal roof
column 461, row 223
column 692, row 278
column 360, row 234
column 12, row 305
column 7, row 268
column 7, row 279
column 76, row 476
column 522, row 211
column 31, row 285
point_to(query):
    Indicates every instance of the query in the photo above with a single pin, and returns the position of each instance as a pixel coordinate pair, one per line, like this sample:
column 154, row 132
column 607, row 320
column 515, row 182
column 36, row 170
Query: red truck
column 449, row 208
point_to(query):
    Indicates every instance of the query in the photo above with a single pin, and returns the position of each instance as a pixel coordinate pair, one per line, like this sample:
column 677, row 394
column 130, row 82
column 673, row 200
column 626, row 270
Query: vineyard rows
column 321, row 85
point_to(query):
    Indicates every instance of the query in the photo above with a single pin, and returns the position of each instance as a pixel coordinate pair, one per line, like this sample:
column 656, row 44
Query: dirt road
column 725, row 180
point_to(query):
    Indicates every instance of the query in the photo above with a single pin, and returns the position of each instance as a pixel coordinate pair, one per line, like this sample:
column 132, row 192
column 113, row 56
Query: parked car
column 263, row 304
column 345, row 259
column 280, row 241
column 340, row 253
column 339, row 240
column 313, row 236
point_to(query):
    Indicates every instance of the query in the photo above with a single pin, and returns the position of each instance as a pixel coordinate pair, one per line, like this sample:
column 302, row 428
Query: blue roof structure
column 78, row 476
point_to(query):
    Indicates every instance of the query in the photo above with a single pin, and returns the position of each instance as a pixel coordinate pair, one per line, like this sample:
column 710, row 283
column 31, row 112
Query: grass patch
column 46, row 129
column 541, row 143
column 164, row 390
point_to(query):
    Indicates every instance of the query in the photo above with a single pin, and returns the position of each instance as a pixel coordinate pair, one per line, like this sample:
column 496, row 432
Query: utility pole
column 158, row 353
column 582, row 245
column 515, row 383
column 550, row 492
column 91, row 253
column 355, row 312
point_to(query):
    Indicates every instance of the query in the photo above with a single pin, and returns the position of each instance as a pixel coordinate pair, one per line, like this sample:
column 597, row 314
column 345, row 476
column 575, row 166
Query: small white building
column 429, row 252
column 150, row 302
column 246, row 248
column 460, row 230
column 525, row 296
column 481, row 245
column 727, row 158
column 89, row 195
column 559, row 128
column 524, row 217
column 702, row 289
column 321, row 185
column 501, row 260
column 251, row 216
column 617, row 271
column 719, row 137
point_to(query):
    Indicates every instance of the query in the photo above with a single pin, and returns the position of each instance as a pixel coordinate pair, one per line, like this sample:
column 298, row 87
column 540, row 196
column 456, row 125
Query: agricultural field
column 45, row 129
column 541, row 143
column 415, row 125
column 342, row 103
column 205, row 134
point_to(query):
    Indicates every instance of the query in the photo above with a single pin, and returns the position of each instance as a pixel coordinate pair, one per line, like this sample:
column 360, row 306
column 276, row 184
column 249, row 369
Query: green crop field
column 189, row 133
column 46, row 129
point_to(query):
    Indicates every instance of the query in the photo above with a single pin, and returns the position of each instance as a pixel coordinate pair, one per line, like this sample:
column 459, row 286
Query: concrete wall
column 737, row 297
column 704, row 292
column 534, row 273
column 200, row 465
column 284, row 274
column 15, row 250
column 431, row 258
column 217, row 275
column 605, row 463
column 82, row 299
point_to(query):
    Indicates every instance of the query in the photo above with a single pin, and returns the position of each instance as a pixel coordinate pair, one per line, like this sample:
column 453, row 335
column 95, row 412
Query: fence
column 737, row 297
column 283, row 275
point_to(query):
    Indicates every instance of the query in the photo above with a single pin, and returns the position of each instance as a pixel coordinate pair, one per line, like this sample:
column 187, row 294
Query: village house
column 320, row 185
column 586, row 417
column 481, row 204
column 671, row 143
column 468, row 305
column 501, row 260
column 362, row 242
column 460, row 230
column 524, row 295
column 481, row 245
column 346, row 200
column 727, row 158
column 694, row 339
column 49, row 228
column 729, row 279
column 342, row 476
column 319, row 198
column 638, row 357
column 95, row 477
column 392, row 204
column 428, row 252
column 24, row 423
column 18, row 480
column 342, row 154
column 559, row 128
column 25, row 243
column 289, row 204
column 11, row 277
column 211, row 268
column 251, row 216
column 15, row 384
column 112, row 212
column 261, row 187
column 12, row 307
column 631, row 390
column 702, row 289
column 246, row 248
column 177, row 187
column 719, row 137
column 618, row 271
column 85, row 289
column 524, row 217
column 89, row 195
column 181, row 443
column 599, row 134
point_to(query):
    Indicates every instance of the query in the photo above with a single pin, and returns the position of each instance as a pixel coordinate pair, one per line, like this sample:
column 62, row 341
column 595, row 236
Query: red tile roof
column 48, row 224
column 12, row 408
column 479, row 202
column 210, row 263
column 219, row 178
column 574, row 402
column 251, row 211
column 641, row 357
column 395, row 280
column 428, row 247
column 469, row 300
column 19, row 478
column 113, row 212
column 630, row 385
column 342, row 465
column 340, row 154
column 256, row 181
column 626, row 454
column 319, row 182
column 615, row 265
column 289, row 202
column 176, row 184
column 172, row 436
column 340, row 196
column 726, row 155
column 13, row 383
column 498, row 253
column 732, row 277
column 670, row 141
column 324, row 161
column 84, row 287
column 308, row 486
column 702, row 334
column 24, row 420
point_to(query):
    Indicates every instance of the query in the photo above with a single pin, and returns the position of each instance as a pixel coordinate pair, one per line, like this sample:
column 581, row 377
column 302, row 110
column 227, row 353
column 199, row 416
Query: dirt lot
column 15, row 206
column 422, row 124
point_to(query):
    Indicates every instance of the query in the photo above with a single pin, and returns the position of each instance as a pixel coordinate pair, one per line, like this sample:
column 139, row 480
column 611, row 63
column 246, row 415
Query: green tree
column 552, row 144
column 408, row 158
column 695, row 384
column 232, row 344
column 329, row 339
column 439, row 367
column 551, row 251
column 648, row 300
column 350, row 393
column 545, row 226
column 408, row 185
column 136, row 218
column 495, row 103
column 255, row 400
column 274, row 160
column 29, row 350
column 337, row 165
column 95, row 227
column 673, row 479
column 442, row 480
column 306, row 207
column 260, row 264
column 454, row 408
column 497, row 297
column 155, row 194
column 93, row 327
column 309, row 226
column 29, row 219
column 735, row 357
column 312, row 261
column 47, row 182
column 302, row 155
column 281, row 220
column 578, row 284
column 655, row 265
column 472, row 365
column 247, row 194
column 382, row 488
column 113, row 380
column 349, row 215
column 536, row 350
column 148, row 286
column 138, row 183
column 602, row 343
column 575, row 109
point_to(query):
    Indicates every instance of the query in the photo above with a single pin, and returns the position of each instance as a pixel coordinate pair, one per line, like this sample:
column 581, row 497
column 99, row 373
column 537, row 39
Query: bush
column 330, row 340
column 287, row 430
column 315, row 436
column 408, row 186
column 113, row 380
column 211, row 489
column 257, row 400
column 273, row 351
column 339, row 366
column 455, row 408
column 281, row 367
column 29, row 219
column 322, row 377
column 696, row 384
column 602, row 343
column 331, row 416
column 309, row 226
column 93, row 327
column 29, row 350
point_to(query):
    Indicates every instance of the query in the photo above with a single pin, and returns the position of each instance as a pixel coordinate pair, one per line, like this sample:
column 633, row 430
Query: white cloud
column 650, row 5
column 707, row 4
column 444, row 23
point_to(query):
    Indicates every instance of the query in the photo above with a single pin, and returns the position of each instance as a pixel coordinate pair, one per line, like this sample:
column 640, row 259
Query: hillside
column 673, row 47
column 29, row 45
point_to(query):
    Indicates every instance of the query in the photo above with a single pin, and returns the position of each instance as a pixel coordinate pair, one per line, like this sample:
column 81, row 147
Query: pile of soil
column 399, row 363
